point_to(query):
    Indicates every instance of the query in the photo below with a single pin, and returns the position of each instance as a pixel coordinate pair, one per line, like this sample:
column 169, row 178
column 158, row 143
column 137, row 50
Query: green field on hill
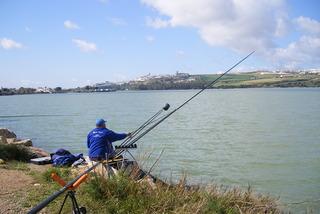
column 257, row 80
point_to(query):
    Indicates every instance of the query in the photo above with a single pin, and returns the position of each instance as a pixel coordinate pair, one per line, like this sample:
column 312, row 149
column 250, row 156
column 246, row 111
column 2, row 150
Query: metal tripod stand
column 75, row 207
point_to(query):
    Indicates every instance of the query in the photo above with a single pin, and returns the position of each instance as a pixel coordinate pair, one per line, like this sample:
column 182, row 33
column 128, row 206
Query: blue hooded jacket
column 99, row 142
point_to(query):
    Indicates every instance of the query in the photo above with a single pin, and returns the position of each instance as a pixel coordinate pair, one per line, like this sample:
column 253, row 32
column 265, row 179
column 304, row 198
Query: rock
column 26, row 142
column 39, row 152
column 9, row 137
column 3, row 140
column 7, row 133
column 2, row 162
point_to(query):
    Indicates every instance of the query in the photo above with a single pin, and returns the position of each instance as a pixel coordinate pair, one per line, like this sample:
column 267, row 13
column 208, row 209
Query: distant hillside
column 239, row 80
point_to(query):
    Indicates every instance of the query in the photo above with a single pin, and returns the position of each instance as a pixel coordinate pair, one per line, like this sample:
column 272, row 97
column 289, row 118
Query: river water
column 266, row 138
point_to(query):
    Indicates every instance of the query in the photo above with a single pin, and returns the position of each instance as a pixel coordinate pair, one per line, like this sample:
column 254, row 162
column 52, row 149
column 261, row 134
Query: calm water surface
column 266, row 138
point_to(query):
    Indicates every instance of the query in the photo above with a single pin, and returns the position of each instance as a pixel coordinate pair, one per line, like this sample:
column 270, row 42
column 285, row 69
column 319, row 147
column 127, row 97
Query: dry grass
column 123, row 194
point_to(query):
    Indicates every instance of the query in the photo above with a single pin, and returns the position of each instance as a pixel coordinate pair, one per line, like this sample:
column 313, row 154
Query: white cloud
column 242, row 25
column 9, row 44
column 308, row 25
column 118, row 21
column 283, row 26
column 305, row 50
column 150, row 38
column 84, row 45
column 157, row 22
column 70, row 25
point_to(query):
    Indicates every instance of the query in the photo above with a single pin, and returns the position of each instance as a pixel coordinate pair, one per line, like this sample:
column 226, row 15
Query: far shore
column 185, row 81
column 141, row 90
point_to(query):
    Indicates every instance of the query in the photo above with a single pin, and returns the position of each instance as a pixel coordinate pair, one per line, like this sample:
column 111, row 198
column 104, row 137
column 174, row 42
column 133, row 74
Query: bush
column 14, row 152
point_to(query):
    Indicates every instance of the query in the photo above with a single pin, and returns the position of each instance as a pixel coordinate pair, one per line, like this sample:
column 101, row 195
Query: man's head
column 100, row 123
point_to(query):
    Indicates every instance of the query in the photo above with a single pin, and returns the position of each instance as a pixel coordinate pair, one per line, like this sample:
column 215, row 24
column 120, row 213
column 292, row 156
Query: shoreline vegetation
column 28, row 184
column 122, row 194
column 256, row 79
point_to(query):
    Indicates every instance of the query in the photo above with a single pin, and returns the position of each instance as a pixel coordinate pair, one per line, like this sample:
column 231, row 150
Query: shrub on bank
column 14, row 152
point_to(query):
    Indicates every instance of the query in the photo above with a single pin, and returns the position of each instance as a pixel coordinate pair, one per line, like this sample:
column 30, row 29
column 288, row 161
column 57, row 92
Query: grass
column 16, row 165
column 266, row 80
column 46, row 188
column 14, row 152
column 122, row 194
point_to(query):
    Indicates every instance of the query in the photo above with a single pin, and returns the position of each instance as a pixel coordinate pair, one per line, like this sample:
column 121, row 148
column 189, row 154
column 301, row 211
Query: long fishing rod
column 184, row 103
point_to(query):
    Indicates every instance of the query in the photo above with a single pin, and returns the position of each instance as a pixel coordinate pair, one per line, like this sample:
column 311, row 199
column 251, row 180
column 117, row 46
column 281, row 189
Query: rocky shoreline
column 9, row 137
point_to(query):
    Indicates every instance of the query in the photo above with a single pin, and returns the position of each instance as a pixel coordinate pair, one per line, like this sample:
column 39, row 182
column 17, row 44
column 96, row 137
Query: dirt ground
column 14, row 185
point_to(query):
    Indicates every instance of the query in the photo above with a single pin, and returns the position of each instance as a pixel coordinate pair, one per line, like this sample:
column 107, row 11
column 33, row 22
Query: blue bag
column 63, row 157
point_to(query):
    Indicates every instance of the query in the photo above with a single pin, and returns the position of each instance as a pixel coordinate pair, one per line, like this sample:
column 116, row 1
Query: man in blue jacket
column 99, row 141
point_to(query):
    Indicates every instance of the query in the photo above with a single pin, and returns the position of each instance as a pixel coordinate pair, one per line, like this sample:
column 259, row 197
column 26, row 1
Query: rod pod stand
column 71, row 193
column 75, row 207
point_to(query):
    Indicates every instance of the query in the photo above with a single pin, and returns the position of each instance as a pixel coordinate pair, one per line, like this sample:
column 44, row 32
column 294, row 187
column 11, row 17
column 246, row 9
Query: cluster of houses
column 177, row 77
column 104, row 87
column 44, row 90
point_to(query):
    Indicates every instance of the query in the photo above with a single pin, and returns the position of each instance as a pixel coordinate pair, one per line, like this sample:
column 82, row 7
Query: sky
column 71, row 43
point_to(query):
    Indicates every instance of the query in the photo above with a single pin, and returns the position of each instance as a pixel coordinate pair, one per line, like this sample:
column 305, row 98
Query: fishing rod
column 145, row 124
column 131, row 142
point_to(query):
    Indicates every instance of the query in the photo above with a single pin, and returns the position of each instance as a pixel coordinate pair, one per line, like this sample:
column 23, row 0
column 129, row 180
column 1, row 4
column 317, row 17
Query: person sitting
column 99, row 141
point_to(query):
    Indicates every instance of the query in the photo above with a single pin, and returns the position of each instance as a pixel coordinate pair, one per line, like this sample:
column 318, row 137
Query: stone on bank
column 9, row 137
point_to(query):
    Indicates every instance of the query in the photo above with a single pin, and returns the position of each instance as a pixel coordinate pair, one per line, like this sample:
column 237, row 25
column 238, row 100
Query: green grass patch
column 47, row 187
column 256, row 80
column 16, row 165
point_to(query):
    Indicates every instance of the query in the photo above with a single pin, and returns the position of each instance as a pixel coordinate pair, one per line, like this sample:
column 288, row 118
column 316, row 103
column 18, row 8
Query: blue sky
column 79, row 42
